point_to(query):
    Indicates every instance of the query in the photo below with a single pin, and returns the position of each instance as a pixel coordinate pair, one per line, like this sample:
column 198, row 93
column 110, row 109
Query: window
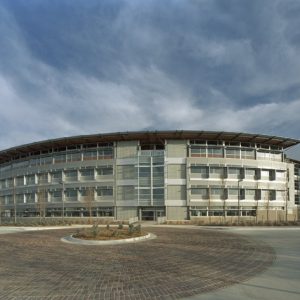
column 85, row 192
column 30, row 197
column 56, row 176
column 216, row 171
column 248, row 153
column 34, row 162
column 158, row 160
column 105, row 153
column 144, row 172
column 250, row 194
column 145, row 194
column 126, row 193
column 71, row 174
column 199, row 170
column 158, row 176
column 20, row 164
column 198, row 212
column 55, row 195
column 198, row 151
column 232, row 153
column 74, row 156
column 20, row 198
column 20, row 181
column 30, row 179
column 90, row 155
column 46, row 160
column 233, row 193
column 250, row 173
column 158, row 194
column 233, row 172
column 59, row 158
column 104, row 191
column 43, row 178
column 71, row 193
column 2, row 184
column 214, row 152
column 199, row 191
column 265, row 174
column 217, row 192
column 87, row 172
column 105, row 170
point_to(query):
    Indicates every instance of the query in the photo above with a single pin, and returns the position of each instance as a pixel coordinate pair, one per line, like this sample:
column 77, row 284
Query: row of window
column 222, row 212
column 237, row 172
column 57, row 195
column 57, row 212
column 235, row 193
column 297, row 170
column 104, row 153
column 58, row 176
column 234, row 144
column 238, row 153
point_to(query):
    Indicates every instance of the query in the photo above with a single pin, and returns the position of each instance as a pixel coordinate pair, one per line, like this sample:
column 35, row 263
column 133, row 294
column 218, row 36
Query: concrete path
column 280, row 281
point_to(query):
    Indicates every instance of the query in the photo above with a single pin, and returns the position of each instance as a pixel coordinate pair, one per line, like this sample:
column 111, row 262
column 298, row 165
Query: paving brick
column 179, row 263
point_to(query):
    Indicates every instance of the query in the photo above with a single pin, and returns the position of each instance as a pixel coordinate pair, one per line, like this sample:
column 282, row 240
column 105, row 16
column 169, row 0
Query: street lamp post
column 239, row 198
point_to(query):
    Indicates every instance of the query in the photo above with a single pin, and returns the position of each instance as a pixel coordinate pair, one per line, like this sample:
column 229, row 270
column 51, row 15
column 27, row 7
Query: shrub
column 95, row 230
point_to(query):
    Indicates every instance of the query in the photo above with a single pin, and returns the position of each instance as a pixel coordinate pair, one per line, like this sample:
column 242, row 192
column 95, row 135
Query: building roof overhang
column 145, row 136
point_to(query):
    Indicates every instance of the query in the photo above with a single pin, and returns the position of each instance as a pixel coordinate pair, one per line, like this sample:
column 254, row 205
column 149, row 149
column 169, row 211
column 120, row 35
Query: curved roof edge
column 150, row 136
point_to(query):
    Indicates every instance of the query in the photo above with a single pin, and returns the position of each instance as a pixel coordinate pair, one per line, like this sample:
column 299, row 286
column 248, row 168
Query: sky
column 72, row 67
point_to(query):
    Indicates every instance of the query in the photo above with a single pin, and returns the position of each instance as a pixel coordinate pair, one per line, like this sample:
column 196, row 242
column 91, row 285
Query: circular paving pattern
column 179, row 263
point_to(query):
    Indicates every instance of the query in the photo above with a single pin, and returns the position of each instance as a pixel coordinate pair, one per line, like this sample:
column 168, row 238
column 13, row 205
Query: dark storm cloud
column 71, row 67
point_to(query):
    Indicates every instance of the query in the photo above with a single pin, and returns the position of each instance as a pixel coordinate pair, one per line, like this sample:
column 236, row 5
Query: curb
column 71, row 240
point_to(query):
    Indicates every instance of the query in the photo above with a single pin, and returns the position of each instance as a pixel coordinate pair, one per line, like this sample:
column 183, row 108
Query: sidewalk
column 280, row 281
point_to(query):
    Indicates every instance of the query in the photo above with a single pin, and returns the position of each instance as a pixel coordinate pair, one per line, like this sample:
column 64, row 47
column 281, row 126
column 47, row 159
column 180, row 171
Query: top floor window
column 214, row 152
column 198, row 151
column 233, row 153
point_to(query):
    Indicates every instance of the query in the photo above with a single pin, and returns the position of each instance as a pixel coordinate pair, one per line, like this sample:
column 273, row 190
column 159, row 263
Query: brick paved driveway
column 179, row 263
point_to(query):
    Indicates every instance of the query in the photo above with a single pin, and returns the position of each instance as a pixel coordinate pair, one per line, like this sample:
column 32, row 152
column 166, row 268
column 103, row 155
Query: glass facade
column 153, row 177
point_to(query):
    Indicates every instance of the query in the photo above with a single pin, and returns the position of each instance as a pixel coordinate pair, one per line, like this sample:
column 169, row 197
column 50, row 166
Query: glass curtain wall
column 150, row 190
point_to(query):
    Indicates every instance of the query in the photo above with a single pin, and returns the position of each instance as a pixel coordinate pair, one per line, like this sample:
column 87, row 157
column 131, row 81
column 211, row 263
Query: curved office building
column 179, row 175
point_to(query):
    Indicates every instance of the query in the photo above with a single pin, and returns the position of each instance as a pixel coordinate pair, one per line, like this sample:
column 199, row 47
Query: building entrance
column 151, row 214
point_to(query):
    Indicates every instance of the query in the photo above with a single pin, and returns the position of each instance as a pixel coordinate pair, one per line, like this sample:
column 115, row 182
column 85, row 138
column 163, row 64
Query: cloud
column 93, row 67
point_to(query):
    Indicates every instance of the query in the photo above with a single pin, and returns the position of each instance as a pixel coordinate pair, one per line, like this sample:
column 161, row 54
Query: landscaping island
column 96, row 235
column 109, row 233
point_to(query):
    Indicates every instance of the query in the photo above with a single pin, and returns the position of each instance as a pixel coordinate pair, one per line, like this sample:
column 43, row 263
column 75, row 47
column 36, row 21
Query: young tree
column 209, row 205
column 257, row 198
column 224, row 195
column 267, row 201
column 41, row 203
column 1, row 201
column 89, row 200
